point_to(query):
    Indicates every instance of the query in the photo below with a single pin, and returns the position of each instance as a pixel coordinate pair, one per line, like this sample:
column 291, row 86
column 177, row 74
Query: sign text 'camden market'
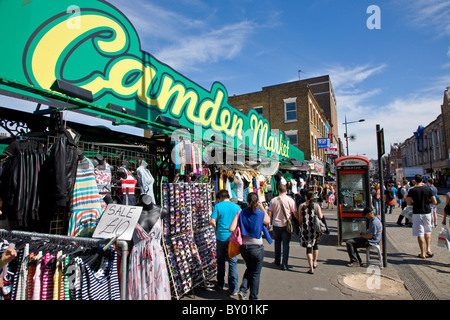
column 94, row 46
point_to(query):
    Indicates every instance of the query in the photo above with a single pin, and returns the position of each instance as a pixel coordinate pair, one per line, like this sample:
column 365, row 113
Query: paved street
column 413, row 278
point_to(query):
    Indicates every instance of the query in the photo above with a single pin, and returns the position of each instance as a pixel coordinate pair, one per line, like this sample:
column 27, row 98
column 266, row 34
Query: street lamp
column 346, row 134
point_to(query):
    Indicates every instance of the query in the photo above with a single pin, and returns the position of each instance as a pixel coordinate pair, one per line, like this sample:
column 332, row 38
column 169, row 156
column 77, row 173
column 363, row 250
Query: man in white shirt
column 280, row 223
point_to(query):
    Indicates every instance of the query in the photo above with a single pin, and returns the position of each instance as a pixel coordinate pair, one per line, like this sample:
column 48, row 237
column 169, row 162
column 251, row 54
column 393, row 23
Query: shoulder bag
column 318, row 225
column 291, row 227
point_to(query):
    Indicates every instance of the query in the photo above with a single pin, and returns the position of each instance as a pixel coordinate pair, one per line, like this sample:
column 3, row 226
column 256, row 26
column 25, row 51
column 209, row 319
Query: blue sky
column 394, row 76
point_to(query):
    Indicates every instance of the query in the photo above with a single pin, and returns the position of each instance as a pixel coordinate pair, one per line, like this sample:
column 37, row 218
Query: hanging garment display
column 128, row 183
column 145, row 180
column 85, row 207
column 46, row 270
column 148, row 278
column 20, row 183
column 103, row 177
column 189, row 239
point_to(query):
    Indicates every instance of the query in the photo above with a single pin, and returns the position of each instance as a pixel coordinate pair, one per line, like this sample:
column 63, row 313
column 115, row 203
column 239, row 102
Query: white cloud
column 344, row 77
column 182, row 42
column 425, row 14
column 224, row 43
column 399, row 119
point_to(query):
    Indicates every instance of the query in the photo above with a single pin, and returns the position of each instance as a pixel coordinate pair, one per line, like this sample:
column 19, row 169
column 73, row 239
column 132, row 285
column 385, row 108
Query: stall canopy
column 88, row 58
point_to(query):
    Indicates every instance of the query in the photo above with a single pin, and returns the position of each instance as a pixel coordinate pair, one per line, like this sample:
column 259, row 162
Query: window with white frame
column 290, row 109
column 259, row 110
column 293, row 137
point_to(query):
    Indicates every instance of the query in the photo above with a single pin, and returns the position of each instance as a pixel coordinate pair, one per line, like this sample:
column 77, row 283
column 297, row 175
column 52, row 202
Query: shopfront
column 88, row 59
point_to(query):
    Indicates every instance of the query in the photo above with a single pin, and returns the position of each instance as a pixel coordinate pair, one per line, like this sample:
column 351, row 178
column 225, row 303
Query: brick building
column 303, row 110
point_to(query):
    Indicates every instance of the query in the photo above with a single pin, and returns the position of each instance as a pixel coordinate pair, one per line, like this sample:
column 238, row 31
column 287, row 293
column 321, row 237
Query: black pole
column 380, row 145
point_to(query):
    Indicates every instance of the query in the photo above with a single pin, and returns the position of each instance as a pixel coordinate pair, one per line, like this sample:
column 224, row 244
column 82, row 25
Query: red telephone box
column 353, row 195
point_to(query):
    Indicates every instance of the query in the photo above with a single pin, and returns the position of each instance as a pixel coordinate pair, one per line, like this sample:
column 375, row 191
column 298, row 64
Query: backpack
column 400, row 193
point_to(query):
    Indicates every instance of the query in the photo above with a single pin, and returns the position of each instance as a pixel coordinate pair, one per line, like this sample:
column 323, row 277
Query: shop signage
column 323, row 143
column 94, row 46
column 117, row 221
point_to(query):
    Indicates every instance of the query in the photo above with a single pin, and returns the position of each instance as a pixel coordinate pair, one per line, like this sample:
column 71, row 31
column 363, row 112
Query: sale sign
column 118, row 221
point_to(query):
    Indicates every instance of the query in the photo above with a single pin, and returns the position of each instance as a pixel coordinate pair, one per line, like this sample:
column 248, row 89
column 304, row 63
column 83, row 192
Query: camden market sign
column 92, row 45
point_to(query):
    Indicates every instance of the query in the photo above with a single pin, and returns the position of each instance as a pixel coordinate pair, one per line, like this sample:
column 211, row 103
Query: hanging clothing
column 103, row 179
column 85, row 206
column 84, row 274
column 148, row 278
column 128, row 184
column 19, row 185
column 146, row 180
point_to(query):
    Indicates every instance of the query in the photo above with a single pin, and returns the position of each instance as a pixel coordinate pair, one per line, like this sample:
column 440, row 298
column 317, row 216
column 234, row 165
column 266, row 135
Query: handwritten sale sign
column 118, row 221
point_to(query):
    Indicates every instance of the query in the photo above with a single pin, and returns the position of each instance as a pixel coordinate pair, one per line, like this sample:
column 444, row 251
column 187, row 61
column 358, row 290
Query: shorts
column 421, row 224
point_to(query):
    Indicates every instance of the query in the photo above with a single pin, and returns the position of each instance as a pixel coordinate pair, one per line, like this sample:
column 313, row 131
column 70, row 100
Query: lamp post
column 346, row 134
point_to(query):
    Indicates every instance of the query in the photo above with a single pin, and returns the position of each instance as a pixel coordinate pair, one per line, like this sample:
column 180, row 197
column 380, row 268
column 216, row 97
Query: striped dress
column 85, row 206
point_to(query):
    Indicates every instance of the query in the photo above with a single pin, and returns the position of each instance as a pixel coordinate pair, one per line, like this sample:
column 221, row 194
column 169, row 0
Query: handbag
column 290, row 228
column 235, row 241
column 233, row 249
column 444, row 238
column 407, row 212
column 236, row 236
column 318, row 225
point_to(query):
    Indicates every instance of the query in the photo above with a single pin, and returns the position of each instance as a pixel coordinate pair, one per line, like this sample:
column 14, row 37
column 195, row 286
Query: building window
column 259, row 110
column 293, row 137
column 290, row 109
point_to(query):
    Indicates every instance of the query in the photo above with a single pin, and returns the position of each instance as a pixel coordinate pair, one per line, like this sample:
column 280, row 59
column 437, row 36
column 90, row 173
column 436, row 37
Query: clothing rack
column 78, row 240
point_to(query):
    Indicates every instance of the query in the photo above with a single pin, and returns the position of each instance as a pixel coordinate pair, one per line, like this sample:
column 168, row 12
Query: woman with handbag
column 309, row 238
column 252, row 221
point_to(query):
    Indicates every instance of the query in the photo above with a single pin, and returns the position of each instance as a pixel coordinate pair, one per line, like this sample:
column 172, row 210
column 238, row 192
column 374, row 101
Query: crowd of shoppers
column 256, row 219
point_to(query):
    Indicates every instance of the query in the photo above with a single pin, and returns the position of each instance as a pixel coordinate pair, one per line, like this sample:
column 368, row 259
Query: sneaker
column 354, row 264
column 232, row 293
column 241, row 296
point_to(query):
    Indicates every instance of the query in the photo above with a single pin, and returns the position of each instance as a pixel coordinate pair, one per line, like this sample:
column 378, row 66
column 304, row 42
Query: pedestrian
column 430, row 184
column 446, row 208
column 389, row 198
column 309, row 238
column 252, row 221
column 320, row 195
column 420, row 197
column 221, row 217
column 280, row 208
column 377, row 199
column 402, row 193
column 331, row 198
column 399, row 196
column 372, row 236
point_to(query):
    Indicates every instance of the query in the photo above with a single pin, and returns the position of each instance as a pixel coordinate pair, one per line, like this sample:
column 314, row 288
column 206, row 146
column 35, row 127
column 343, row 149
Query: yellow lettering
column 46, row 63
column 256, row 125
column 181, row 98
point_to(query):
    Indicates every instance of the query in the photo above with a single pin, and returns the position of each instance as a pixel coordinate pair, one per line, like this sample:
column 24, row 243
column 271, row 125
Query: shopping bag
column 233, row 249
column 444, row 238
column 407, row 212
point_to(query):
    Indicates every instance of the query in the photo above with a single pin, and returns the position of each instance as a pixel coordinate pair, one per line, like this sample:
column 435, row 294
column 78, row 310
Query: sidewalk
column 406, row 277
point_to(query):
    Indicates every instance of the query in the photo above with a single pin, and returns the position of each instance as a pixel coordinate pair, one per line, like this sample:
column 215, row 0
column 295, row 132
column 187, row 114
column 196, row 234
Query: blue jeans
column 377, row 203
column 222, row 257
column 253, row 256
column 281, row 235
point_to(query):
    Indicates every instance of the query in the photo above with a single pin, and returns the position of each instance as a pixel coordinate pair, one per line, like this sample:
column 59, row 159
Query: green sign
column 92, row 45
